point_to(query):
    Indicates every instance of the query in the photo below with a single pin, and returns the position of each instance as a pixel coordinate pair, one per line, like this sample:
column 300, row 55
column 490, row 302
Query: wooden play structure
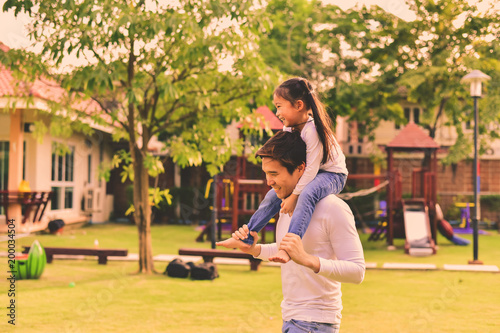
column 418, row 214
column 236, row 196
column 413, row 219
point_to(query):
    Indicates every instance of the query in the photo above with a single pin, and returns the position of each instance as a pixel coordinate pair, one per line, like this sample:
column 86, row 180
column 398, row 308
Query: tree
column 155, row 69
column 321, row 42
column 289, row 45
column 422, row 61
column 307, row 39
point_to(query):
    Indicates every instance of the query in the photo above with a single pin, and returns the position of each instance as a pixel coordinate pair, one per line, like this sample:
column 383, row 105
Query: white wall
column 38, row 173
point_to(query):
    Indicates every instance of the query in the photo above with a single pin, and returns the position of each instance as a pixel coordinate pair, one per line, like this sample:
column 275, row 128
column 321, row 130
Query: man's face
column 279, row 178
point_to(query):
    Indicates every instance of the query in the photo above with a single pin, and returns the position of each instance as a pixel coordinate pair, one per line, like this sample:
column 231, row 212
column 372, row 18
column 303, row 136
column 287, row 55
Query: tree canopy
column 367, row 61
column 423, row 61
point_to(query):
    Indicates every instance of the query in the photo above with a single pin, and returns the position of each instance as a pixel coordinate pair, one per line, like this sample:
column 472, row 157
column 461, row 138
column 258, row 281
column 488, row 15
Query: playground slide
column 417, row 229
column 446, row 229
column 459, row 240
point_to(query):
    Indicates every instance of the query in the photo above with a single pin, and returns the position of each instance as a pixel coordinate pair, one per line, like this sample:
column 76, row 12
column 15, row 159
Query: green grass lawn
column 109, row 298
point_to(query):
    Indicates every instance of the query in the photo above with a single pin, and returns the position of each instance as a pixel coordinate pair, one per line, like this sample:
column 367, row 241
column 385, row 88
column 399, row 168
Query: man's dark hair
column 286, row 147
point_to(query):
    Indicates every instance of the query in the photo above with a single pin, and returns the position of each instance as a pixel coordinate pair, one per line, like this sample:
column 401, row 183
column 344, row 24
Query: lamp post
column 214, row 213
column 475, row 78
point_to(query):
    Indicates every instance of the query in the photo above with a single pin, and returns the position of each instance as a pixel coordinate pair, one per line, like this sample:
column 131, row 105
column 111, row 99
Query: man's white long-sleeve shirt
column 332, row 237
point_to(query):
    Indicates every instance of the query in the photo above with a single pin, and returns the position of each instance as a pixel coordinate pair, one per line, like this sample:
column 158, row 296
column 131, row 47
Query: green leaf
column 130, row 210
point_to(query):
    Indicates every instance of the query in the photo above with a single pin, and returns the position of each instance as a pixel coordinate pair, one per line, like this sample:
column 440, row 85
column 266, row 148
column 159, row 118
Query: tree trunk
column 142, row 214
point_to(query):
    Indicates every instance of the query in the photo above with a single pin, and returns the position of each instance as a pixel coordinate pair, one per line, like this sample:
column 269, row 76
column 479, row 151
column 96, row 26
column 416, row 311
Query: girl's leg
column 324, row 184
column 269, row 207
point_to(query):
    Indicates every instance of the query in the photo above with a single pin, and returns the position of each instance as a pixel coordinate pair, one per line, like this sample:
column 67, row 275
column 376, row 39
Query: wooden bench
column 209, row 255
column 102, row 254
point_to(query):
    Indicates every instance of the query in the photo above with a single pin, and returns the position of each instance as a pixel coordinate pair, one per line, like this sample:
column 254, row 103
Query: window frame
column 63, row 179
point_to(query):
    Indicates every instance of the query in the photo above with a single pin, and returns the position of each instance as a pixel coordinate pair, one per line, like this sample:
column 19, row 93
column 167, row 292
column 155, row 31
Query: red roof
column 269, row 118
column 412, row 136
column 45, row 89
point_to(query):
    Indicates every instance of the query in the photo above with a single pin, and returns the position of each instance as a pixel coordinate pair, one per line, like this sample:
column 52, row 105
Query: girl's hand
column 288, row 204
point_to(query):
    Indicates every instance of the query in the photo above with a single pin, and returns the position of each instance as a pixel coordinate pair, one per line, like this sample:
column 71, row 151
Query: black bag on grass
column 205, row 271
column 178, row 268
column 55, row 225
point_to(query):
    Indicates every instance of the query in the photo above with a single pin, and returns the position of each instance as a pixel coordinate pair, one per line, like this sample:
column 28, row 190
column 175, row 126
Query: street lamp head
column 475, row 78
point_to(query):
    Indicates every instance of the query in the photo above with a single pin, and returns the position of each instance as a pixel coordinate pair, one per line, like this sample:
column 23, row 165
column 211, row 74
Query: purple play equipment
column 465, row 218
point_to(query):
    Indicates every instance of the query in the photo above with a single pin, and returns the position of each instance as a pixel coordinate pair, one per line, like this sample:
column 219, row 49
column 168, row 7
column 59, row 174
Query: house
column 33, row 166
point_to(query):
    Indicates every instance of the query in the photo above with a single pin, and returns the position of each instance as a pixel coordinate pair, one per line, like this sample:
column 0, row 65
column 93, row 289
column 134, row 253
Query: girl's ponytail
column 323, row 125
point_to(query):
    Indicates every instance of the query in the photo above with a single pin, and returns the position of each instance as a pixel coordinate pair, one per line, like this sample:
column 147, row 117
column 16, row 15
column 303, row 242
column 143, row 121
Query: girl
column 325, row 172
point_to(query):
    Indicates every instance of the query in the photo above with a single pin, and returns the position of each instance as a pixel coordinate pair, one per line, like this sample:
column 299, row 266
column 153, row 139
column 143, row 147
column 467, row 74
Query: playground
column 83, row 296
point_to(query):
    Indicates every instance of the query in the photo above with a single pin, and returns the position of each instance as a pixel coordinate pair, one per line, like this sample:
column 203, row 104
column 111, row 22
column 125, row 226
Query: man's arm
column 349, row 266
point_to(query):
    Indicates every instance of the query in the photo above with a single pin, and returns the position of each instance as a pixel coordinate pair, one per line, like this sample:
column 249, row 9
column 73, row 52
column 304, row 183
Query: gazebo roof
column 268, row 117
column 412, row 137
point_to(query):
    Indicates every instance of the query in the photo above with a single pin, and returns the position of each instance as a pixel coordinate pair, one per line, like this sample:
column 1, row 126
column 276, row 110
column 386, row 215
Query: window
column 89, row 169
column 68, row 197
column 62, row 174
column 4, row 164
column 56, row 198
column 4, row 168
column 24, row 160
column 416, row 115
column 468, row 124
column 359, row 131
column 407, row 114
column 411, row 116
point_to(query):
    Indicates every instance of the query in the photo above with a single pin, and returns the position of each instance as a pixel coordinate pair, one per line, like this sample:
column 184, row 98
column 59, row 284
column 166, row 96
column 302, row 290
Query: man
column 329, row 253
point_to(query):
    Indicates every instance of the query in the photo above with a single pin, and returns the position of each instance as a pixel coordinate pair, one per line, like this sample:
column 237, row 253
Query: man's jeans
column 299, row 326
column 324, row 184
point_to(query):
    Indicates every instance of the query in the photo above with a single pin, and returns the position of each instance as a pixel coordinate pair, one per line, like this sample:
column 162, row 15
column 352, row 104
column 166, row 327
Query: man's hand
column 292, row 244
column 288, row 204
column 235, row 242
